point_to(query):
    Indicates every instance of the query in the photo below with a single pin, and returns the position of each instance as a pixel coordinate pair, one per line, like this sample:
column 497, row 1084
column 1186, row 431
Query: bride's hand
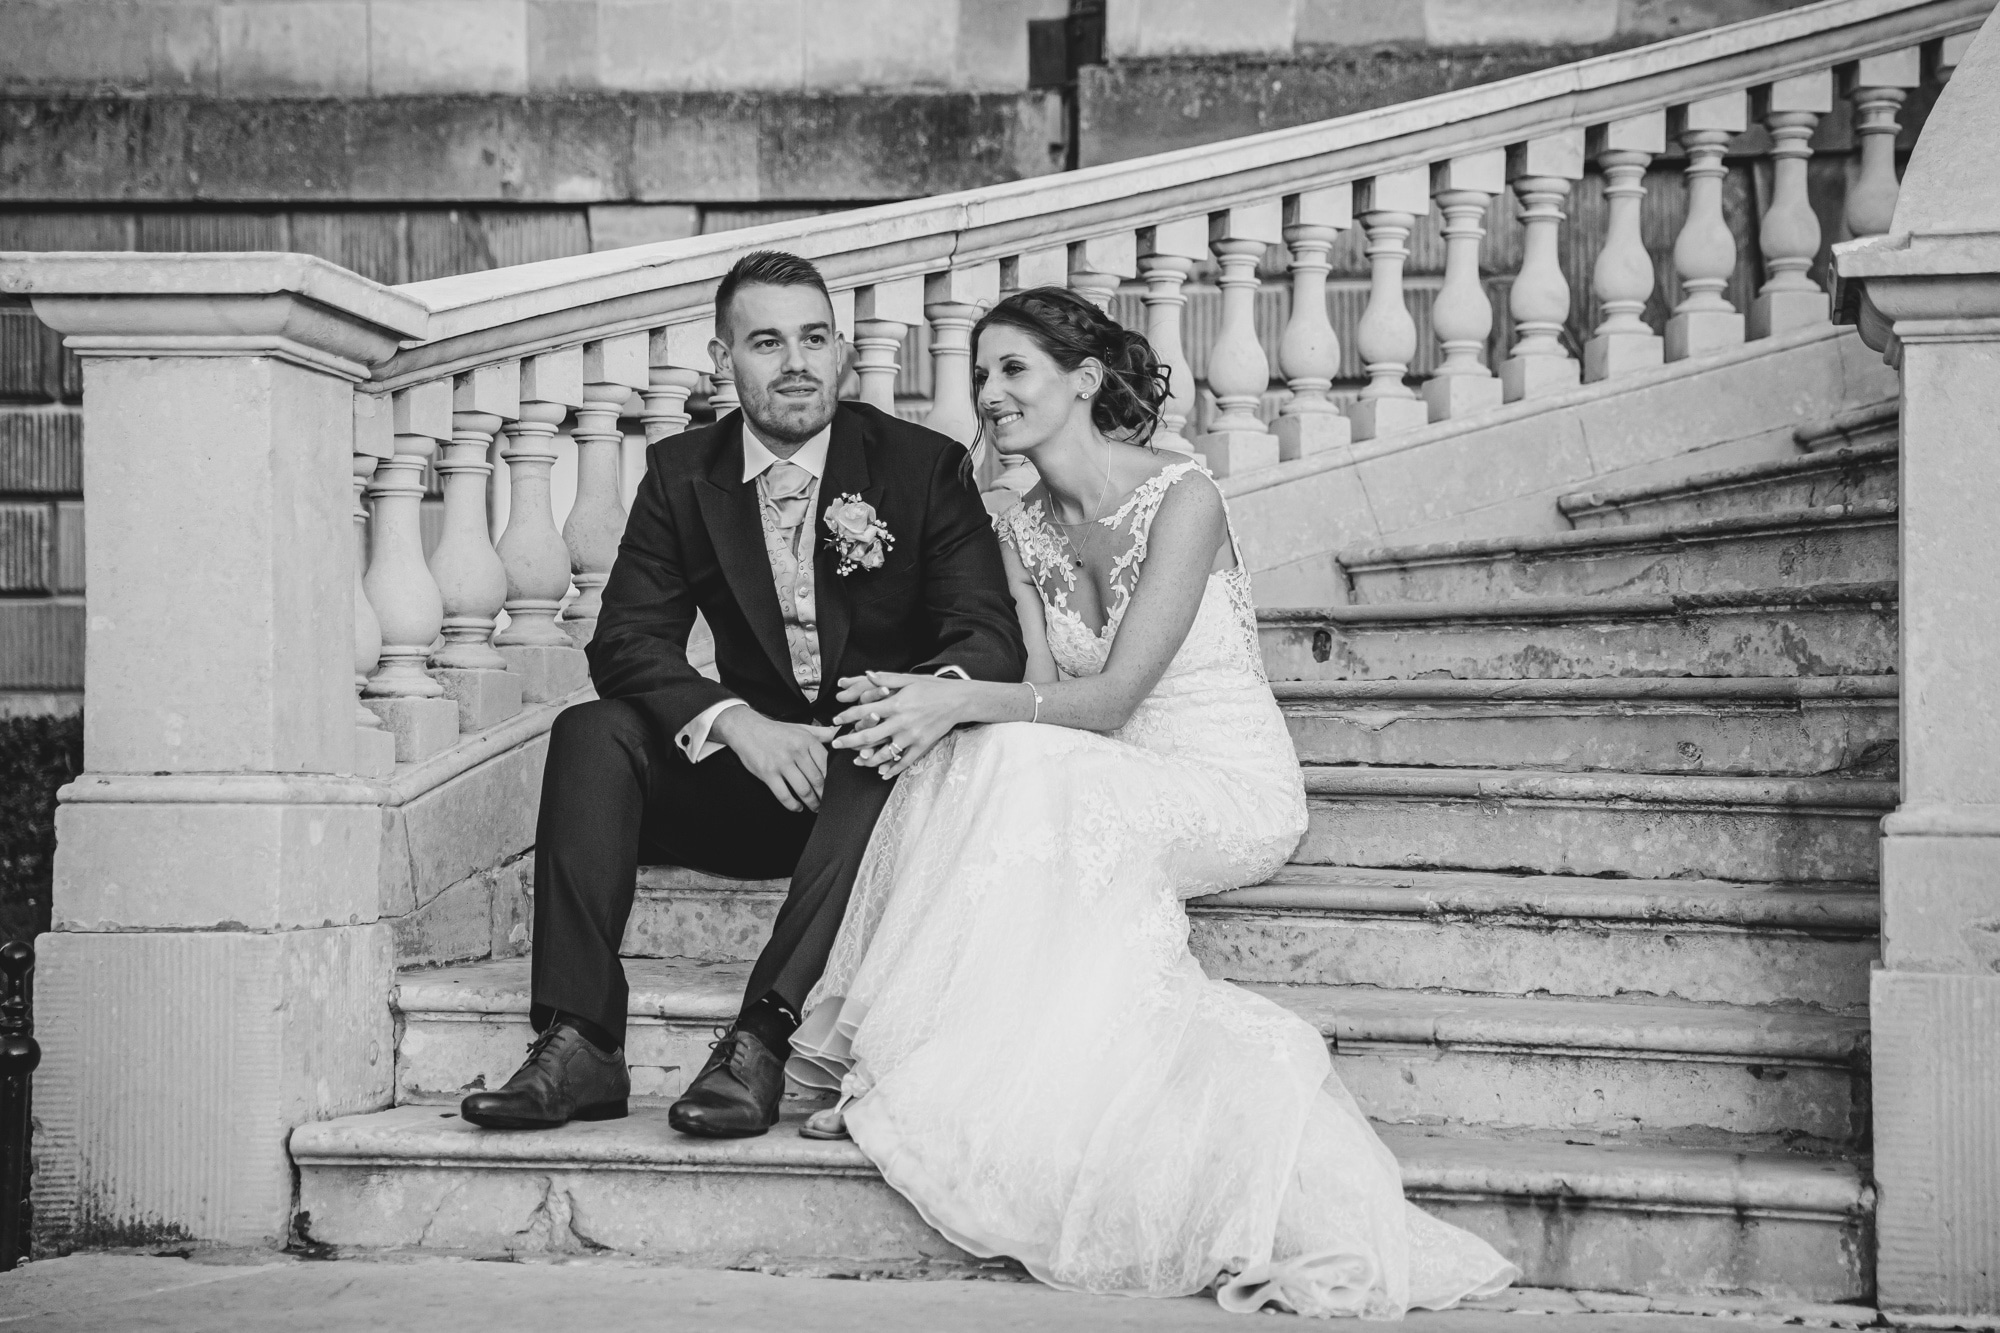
column 897, row 728
column 862, row 690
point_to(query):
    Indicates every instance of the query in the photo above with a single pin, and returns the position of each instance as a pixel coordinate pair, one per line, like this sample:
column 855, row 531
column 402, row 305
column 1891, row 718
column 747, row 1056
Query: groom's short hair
column 764, row 268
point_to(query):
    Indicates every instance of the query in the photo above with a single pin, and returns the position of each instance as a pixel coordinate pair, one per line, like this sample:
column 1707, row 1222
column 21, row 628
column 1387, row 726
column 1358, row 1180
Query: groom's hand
column 787, row 757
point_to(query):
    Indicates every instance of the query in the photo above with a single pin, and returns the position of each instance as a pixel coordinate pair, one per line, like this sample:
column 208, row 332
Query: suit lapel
column 729, row 509
column 846, row 474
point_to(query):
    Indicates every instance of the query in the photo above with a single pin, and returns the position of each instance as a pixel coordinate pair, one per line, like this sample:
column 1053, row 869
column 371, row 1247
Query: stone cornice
column 297, row 308
column 1928, row 287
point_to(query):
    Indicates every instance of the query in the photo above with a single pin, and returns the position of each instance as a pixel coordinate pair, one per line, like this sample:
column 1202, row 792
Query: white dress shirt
column 757, row 459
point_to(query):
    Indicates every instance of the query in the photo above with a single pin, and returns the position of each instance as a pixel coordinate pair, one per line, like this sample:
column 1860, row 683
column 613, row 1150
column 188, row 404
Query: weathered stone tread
column 1725, row 689
column 1586, row 606
column 1676, row 789
column 1832, row 460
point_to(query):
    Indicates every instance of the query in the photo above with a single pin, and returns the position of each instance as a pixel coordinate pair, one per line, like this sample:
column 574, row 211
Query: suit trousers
column 617, row 794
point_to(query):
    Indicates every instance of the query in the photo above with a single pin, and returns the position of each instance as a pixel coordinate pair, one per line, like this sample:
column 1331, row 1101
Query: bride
column 1024, row 1044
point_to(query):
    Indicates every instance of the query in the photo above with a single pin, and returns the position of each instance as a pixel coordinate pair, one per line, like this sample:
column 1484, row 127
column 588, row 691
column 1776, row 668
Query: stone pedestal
column 1232, row 452
column 1372, row 417
column 1699, row 332
column 484, row 698
column 217, row 974
column 374, row 752
column 1781, row 312
column 422, row 727
column 547, row 674
column 1927, row 295
column 1532, row 376
column 1611, row 354
column 1310, row 433
column 1452, row 396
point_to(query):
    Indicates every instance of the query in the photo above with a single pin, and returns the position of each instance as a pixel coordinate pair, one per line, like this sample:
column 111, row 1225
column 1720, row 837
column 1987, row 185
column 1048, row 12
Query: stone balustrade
column 491, row 382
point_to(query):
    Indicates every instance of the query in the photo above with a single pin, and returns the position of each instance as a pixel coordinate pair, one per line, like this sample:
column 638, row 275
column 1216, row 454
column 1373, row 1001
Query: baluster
column 1098, row 265
column 1168, row 253
column 953, row 302
column 1789, row 233
column 1386, row 337
column 374, row 440
column 1462, row 315
column 468, row 570
column 883, row 314
column 612, row 369
column 537, row 563
column 416, row 707
column 1878, row 86
column 1309, row 350
column 1541, row 171
column 1705, row 251
column 1623, row 276
column 1239, row 370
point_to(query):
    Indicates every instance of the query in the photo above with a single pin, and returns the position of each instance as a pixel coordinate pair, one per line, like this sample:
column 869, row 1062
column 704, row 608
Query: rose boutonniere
column 858, row 535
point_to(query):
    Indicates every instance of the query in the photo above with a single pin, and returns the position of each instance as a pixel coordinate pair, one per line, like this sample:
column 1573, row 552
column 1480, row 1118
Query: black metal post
column 19, row 1054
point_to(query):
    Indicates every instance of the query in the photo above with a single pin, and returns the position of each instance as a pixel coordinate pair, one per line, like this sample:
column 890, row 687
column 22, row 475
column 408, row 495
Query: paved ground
column 241, row 1292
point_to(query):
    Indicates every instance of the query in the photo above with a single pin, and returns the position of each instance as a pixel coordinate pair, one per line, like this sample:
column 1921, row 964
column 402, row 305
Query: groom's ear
column 718, row 352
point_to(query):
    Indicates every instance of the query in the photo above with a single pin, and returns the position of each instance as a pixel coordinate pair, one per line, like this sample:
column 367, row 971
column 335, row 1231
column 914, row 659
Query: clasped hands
column 896, row 717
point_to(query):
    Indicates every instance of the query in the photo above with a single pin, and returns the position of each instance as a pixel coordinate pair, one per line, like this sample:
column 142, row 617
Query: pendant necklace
column 1076, row 559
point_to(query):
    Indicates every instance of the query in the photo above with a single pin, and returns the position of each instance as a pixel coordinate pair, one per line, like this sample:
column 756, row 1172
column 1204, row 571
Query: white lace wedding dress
column 1042, row 1068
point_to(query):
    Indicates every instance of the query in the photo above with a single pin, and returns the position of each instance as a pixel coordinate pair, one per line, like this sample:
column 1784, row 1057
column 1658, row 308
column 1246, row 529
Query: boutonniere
column 858, row 535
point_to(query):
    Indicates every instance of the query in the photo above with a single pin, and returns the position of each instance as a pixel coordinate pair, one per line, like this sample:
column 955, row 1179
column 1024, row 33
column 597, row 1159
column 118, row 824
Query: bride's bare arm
column 1034, row 628
column 1186, row 535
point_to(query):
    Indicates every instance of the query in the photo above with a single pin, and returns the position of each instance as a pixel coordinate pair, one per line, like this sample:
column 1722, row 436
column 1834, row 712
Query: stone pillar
column 1927, row 295
column 1097, row 266
column 1789, row 235
column 1167, row 254
column 1705, row 251
column 374, row 746
column 216, row 974
column 1622, row 279
column 612, row 369
column 1878, row 87
column 413, row 706
column 883, row 315
column 1386, row 338
column 470, row 578
column 1541, row 172
column 1239, row 370
column 1462, row 315
column 953, row 302
column 535, row 647
column 1309, row 351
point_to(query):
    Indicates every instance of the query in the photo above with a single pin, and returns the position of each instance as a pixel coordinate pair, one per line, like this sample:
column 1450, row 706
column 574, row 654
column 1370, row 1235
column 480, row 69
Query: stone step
column 1705, row 941
column 1645, row 825
column 1801, row 725
column 1594, row 1217
column 1848, row 460
column 1796, row 548
column 1751, row 1078
column 1831, row 630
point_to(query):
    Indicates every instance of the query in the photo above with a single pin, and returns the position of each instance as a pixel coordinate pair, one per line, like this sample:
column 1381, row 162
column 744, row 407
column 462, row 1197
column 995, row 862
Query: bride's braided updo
column 1072, row 330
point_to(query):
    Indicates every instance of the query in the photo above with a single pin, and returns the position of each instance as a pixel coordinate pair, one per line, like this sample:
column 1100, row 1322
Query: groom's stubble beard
column 784, row 419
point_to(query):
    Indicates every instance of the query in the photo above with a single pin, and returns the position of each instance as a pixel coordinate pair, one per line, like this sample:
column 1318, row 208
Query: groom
column 735, row 777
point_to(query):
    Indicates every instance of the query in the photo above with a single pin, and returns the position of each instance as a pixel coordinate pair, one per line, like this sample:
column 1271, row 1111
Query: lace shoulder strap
column 1136, row 516
column 1020, row 526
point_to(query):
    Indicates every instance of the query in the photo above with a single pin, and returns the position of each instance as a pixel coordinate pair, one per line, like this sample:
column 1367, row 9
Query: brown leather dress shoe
column 565, row 1078
column 736, row 1094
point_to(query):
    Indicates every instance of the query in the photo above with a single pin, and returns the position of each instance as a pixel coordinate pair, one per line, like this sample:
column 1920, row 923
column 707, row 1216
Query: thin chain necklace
column 1097, row 512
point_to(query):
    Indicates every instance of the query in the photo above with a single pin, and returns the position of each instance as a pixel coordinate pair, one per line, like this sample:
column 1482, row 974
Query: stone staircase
column 1586, row 913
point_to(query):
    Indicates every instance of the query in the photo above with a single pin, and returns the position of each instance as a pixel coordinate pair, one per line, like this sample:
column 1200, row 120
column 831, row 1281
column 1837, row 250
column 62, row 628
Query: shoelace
column 541, row 1042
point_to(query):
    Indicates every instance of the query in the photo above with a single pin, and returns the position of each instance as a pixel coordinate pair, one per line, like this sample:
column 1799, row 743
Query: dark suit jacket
column 695, row 541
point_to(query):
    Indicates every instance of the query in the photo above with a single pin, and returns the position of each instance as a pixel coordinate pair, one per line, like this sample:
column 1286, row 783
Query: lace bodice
column 1220, row 645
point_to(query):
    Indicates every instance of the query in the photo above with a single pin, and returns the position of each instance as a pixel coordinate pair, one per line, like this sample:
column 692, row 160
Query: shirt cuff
column 693, row 738
column 956, row 673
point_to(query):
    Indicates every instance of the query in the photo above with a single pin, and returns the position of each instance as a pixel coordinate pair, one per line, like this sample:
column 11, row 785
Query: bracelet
column 1038, row 700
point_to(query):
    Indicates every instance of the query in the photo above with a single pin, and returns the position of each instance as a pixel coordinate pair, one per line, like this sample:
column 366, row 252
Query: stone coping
column 541, row 305
column 424, row 1136
column 1822, row 460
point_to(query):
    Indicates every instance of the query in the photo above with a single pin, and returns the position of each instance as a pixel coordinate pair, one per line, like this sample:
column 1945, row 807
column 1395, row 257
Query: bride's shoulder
column 1158, row 484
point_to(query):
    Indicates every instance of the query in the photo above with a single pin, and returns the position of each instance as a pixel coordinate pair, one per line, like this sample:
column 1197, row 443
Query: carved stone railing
column 269, row 638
